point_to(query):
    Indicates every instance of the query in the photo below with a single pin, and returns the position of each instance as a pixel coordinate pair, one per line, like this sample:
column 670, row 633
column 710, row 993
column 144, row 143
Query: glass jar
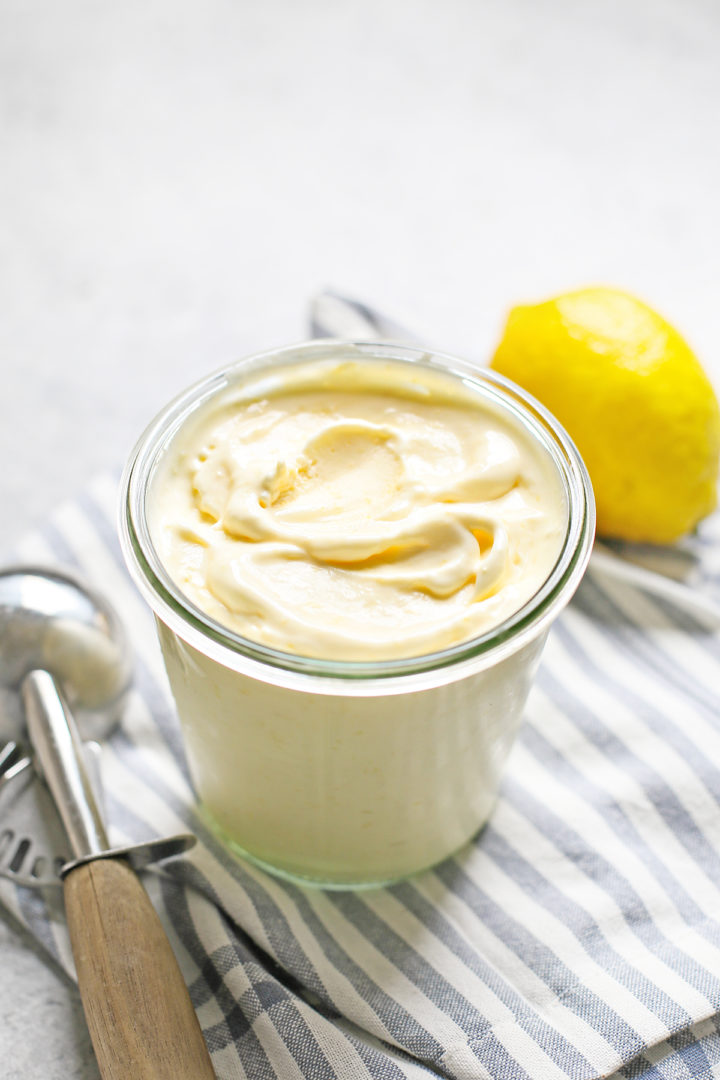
column 350, row 773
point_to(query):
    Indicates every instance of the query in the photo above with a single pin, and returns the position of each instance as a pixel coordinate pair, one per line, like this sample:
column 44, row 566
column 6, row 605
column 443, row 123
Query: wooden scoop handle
column 141, row 1020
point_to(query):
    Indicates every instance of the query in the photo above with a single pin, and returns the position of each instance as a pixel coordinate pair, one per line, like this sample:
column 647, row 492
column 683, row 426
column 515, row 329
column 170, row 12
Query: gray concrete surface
column 178, row 178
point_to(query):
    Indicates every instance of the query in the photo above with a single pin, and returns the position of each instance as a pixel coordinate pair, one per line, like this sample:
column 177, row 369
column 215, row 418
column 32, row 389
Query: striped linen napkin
column 577, row 937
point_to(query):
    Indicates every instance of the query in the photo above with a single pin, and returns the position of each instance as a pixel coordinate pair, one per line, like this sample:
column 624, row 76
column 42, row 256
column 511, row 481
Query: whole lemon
column 634, row 398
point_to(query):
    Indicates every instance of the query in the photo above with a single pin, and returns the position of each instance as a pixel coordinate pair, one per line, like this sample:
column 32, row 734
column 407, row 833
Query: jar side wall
column 341, row 789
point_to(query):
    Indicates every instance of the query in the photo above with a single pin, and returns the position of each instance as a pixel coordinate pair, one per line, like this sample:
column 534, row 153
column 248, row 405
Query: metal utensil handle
column 138, row 1009
column 58, row 747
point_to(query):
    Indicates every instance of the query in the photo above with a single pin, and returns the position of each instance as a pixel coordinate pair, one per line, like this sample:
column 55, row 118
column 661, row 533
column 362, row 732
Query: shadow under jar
column 349, row 772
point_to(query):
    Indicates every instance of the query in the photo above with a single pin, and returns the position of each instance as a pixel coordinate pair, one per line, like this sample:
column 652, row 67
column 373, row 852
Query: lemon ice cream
column 357, row 511
column 354, row 554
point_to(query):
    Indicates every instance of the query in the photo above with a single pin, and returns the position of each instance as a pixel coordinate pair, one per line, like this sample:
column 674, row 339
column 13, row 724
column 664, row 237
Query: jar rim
column 231, row 649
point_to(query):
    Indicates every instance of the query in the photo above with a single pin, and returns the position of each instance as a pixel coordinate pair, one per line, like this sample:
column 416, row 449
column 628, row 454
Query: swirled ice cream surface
column 359, row 510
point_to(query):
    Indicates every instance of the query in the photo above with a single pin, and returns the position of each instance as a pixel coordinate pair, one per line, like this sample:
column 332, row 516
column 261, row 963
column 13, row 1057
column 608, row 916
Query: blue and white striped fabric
column 578, row 936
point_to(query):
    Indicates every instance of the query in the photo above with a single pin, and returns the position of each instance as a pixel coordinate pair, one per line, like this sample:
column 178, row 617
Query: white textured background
column 177, row 178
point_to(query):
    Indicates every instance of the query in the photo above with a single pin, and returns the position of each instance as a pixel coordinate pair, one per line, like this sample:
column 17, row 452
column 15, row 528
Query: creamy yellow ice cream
column 357, row 510
column 347, row 502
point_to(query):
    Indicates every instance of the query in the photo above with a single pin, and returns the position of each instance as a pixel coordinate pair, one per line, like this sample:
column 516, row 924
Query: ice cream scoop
column 53, row 630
